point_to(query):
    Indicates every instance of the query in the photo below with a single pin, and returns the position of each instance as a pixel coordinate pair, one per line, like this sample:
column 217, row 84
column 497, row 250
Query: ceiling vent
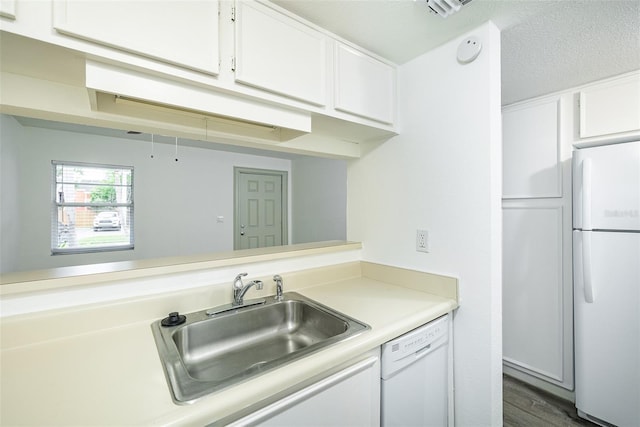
column 445, row 8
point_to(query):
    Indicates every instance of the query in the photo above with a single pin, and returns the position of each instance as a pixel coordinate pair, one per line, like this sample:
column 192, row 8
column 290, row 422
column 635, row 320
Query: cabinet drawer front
column 363, row 85
column 179, row 32
column 279, row 54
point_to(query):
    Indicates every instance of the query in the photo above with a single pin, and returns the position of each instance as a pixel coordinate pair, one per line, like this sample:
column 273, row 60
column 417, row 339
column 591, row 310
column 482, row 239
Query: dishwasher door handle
column 423, row 351
column 416, row 355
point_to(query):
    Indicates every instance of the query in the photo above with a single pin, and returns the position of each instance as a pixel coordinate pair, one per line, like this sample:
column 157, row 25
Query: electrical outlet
column 422, row 241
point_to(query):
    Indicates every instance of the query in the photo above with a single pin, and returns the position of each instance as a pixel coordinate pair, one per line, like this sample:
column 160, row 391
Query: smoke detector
column 445, row 8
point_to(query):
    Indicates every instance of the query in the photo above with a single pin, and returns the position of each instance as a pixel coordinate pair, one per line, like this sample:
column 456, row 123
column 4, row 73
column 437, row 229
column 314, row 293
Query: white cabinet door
column 279, row 54
column 364, row 86
column 8, row 8
column 536, row 266
column 532, row 291
column 179, row 32
column 531, row 150
column 350, row 397
column 537, row 306
column 610, row 108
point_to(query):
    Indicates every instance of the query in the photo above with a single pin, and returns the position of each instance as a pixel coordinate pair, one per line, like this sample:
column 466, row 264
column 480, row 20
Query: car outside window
column 92, row 208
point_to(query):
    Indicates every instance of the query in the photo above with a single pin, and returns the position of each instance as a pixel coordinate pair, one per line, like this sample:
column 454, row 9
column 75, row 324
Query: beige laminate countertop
column 113, row 376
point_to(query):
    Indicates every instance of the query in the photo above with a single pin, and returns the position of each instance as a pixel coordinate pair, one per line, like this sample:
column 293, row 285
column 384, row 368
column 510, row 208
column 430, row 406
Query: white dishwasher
column 415, row 377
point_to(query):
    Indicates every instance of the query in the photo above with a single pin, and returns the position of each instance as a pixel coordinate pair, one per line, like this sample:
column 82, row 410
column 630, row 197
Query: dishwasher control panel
column 416, row 343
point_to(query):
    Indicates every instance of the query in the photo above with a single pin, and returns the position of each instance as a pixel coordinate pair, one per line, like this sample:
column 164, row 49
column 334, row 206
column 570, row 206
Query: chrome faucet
column 278, row 281
column 239, row 289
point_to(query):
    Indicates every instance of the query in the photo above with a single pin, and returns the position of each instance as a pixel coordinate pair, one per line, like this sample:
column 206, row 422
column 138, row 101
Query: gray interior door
column 261, row 208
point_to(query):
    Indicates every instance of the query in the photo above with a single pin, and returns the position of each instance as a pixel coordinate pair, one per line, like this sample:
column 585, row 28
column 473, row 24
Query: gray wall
column 319, row 200
column 176, row 203
column 10, row 140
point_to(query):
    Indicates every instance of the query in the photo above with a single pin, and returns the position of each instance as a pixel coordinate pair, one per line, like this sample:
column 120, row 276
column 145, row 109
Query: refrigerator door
column 606, row 187
column 607, row 329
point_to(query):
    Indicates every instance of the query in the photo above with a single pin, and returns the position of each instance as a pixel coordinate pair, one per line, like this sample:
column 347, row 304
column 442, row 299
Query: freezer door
column 607, row 326
column 606, row 187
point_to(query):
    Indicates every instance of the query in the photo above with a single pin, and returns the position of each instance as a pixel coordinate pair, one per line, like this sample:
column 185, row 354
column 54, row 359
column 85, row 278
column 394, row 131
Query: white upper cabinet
column 178, row 32
column 531, row 150
column 8, row 8
column 279, row 54
column 364, row 86
column 610, row 108
column 246, row 60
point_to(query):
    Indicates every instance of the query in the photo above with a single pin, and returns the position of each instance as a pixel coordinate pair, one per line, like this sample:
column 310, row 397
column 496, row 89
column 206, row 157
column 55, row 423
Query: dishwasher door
column 414, row 383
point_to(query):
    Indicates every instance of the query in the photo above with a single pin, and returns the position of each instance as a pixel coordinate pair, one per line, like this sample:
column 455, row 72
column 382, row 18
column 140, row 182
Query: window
column 92, row 208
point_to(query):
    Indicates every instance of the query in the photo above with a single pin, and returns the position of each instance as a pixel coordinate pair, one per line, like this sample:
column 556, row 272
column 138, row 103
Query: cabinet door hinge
column 233, row 64
column 233, row 14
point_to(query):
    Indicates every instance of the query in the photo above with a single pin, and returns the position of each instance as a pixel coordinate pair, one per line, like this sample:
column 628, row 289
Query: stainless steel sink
column 214, row 349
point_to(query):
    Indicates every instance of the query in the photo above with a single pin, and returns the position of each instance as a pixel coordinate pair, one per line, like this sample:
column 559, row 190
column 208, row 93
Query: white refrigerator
column 606, row 263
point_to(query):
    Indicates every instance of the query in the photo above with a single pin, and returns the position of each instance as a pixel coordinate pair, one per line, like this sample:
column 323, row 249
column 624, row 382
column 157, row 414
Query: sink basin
column 215, row 349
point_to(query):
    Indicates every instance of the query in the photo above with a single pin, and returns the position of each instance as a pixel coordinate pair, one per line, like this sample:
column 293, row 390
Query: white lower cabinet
column 537, row 305
column 349, row 397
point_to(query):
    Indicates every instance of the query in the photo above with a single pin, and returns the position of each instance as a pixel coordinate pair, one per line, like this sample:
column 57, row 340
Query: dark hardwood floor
column 527, row 406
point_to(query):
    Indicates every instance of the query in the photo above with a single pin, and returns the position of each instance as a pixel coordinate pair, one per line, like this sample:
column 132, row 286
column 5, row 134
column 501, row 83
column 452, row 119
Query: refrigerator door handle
column 586, row 194
column 587, row 280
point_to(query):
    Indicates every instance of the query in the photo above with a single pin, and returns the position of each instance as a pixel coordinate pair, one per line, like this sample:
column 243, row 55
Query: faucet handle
column 278, row 279
column 240, row 276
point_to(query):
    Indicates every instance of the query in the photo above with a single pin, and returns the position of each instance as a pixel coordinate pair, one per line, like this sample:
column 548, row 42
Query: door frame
column 237, row 170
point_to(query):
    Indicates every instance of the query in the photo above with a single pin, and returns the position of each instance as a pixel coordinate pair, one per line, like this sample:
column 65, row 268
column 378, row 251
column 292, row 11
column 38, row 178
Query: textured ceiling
column 547, row 45
column 573, row 43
